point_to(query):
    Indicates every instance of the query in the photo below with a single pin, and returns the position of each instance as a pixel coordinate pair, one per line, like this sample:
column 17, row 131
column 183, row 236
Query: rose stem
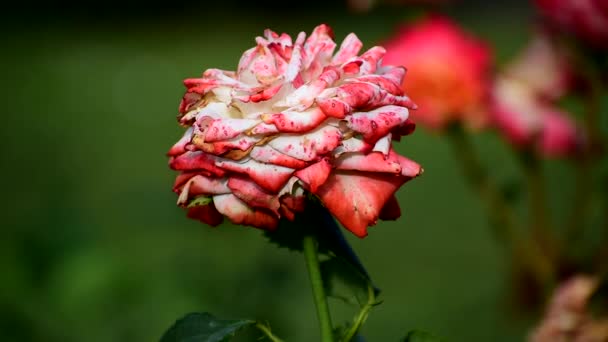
column 318, row 291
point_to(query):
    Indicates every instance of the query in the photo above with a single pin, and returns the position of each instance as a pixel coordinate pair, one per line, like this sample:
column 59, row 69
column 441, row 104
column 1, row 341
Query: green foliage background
column 93, row 247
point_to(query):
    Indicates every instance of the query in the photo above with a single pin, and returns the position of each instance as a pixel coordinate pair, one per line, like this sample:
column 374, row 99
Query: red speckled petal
column 253, row 195
column 196, row 160
column 381, row 81
column 409, row 168
column 242, row 142
column 377, row 123
column 290, row 205
column 201, row 185
column 350, row 47
column 267, row 154
column 223, row 129
column 295, row 121
column 180, row 146
column 239, row 213
column 207, row 214
column 270, row 177
column 353, row 145
column 188, row 100
column 315, row 175
column 356, row 198
column 308, row 146
column 373, row 162
column 305, row 95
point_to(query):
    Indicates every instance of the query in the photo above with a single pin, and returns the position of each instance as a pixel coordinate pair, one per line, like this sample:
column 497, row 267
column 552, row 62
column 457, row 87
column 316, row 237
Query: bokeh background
column 93, row 247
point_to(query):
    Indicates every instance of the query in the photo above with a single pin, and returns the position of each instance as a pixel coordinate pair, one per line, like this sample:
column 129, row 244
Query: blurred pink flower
column 523, row 99
column 586, row 19
column 447, row 72
column 568, row 317
column 294, row 118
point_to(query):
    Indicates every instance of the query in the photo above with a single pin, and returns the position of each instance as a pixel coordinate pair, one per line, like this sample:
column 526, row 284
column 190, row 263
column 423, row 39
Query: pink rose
column 447, row 72
column 586, row 19
column 523, row 101
column 294, row 118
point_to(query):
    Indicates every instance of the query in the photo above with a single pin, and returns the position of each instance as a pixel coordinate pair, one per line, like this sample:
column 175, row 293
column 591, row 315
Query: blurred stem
column 266, row 330
column 318, row 291
column 539, row 218
column 362, row 315
column 593, row 146
column 499, row 210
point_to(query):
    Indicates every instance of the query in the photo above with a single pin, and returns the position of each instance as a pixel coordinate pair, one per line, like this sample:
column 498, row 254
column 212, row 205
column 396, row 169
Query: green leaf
column 203, row 327
column 199, row 200
column 344, row 281
column 421, row 336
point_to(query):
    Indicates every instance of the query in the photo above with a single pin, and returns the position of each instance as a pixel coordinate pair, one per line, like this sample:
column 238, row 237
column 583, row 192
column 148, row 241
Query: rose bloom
column 447, row 72
column 586, row 19
column 524, row 96
column 295, row 119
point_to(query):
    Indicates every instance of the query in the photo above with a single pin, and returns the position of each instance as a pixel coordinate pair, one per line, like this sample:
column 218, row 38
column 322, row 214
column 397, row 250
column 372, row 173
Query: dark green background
column 93, row 246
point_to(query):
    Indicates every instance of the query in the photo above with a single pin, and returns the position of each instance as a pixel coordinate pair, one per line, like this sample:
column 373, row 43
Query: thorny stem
column 318, row 291
column 499, row 210
column 266, row 330
column 361, row 316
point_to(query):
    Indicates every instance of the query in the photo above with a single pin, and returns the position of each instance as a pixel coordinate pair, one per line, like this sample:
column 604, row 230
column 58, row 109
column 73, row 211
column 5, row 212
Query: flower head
column 294, row 118
column 447, row 72
column 585, row 19
column 523, row 101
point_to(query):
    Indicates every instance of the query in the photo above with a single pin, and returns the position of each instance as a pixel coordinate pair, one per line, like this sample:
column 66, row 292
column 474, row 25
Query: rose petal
column 201, row 185
column 350, row 47
column 356, row 198
column 378, row 122
column 267, row 154
column 294, row 121
column 207, row 214
column 242, row 143
column 373, row 162
column 223, row 129
column 268, row 176
column 180, row 146
column 253, row 195
column 391, row 210
column 308, row 146
column 352, row 145
column 239, row 213
column 315, row 175
column 195, row 160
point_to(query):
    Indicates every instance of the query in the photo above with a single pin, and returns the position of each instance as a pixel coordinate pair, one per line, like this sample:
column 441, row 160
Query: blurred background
column 94, row 248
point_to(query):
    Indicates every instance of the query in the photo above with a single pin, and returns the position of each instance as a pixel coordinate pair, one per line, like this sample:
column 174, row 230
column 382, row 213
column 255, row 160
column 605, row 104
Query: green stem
column 318, row 291
column 361, row 316
column 499, row 210
column 266, row 330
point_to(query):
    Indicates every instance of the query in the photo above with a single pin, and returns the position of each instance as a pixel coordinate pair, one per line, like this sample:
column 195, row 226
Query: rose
column 585, row 19
column 524, row 96
column 447, row 72
column 294, row 120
